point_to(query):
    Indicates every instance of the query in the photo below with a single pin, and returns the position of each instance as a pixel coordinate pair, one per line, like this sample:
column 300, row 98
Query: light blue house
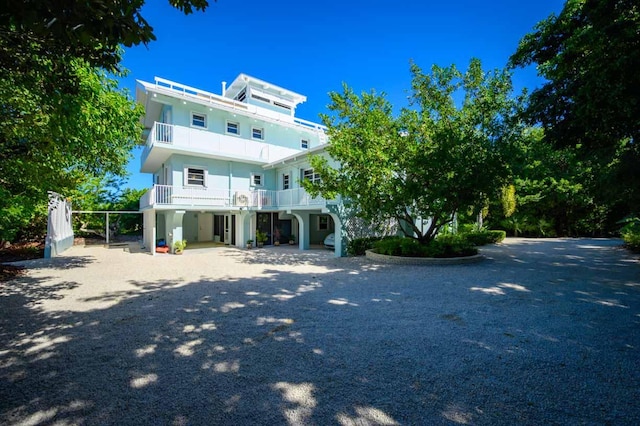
column 225, row 166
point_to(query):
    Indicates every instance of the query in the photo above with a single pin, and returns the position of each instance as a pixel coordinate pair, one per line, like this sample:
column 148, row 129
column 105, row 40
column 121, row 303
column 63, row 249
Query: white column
column 339, row 237
column 174, row 227
column 304, row 224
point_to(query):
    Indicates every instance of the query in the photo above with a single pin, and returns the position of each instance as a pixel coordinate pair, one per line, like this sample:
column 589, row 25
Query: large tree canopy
column 62, row 118
column 436, row 158
column 57, row 140
column 590, row 55
column 92, row 30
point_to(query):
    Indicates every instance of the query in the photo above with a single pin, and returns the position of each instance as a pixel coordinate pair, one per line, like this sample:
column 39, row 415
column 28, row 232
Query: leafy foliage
column 630, row 233
column 91, row 30
column 555, row 192
column 483, row 237
column 358, row 246
column 62, row 118
column 590, row 54
column 446, row 245
column 56, row 141
column 433, row 160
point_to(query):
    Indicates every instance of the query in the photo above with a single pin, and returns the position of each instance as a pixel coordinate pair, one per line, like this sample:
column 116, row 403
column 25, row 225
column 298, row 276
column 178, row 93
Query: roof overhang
column 298, row 156
column 243, row 80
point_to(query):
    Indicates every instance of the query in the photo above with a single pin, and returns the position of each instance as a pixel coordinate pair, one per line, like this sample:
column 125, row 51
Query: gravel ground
column 541, row 332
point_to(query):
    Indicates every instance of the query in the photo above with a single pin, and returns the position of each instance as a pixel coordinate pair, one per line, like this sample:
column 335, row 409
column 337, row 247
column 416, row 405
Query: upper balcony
column 162, row 87
column 167, row 139
column 171, row 197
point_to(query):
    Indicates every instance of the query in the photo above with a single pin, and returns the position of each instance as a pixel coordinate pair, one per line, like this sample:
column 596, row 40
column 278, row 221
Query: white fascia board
column 298, row 156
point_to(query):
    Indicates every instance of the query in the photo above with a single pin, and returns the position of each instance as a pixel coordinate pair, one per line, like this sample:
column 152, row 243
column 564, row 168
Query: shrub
column 389, row 246
column 632, row 240
column 358, row 246
column 483, row 237
column 630, row 233
column 448, row 245
column 453, row 245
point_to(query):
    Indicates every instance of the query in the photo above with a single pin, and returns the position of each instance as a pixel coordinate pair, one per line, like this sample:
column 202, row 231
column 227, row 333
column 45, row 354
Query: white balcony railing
column 167, row 195
column 298, row 197
column 202, row 141
column 205, row 141
column 230, row 104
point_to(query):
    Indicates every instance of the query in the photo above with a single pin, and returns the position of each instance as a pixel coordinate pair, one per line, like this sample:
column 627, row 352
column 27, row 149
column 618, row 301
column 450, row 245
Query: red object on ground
column 163, row 249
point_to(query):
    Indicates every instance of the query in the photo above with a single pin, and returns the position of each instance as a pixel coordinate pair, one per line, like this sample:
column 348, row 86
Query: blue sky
column 312, row 47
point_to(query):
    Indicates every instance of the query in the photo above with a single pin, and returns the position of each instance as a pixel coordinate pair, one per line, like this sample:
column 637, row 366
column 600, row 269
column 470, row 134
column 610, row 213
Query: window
column 260, row 98
column 308, row 174
column 195, row 176
column 304, row 144
column 198, row 120
column 242, row 95
column 256, row 179
column 281, row 105
column 257, row 133
column 285, row 181
column 233, row 128
column 323, row 223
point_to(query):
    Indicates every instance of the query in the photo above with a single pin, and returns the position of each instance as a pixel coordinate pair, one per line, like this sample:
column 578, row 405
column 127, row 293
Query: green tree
column 56, row 140
column 554, row 191
column 62, row 119
column 590, row 55
column 92, row 30
column 436, row 158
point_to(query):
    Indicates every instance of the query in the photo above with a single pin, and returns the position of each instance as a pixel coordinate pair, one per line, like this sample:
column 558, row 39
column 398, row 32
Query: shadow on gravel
column 66, row 262
column 283, row 255
column 359, row 345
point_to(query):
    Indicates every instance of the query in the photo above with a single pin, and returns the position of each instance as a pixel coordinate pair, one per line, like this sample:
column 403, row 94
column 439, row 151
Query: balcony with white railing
column 165, row 139
column 166, row 196
column 225, row 103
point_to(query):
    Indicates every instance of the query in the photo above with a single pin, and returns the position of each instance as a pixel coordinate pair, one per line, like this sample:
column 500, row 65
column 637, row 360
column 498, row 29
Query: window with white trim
column 323, row 223
column 198, row 120
column 195, row 176
column 233, row 128
column 257, row 179
column 285, row 181
column 257, row 133
column 309, row 174
column 304, row 144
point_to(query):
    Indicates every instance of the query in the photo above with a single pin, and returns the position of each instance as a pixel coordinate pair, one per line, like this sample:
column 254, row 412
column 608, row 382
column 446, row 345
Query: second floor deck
column 167, row 139
column 172, row 196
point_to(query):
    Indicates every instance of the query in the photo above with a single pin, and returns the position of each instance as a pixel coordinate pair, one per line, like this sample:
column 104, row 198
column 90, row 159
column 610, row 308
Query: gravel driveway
column 542, row 332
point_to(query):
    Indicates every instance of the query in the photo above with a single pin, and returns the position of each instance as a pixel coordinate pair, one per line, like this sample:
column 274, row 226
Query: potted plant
column 276, row 233
column 179, row 246
column 292, row 239
column 249, row 244
column 261, row 238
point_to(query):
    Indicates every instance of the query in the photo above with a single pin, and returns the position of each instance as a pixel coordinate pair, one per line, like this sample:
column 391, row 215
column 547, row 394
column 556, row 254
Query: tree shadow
column 353, row 343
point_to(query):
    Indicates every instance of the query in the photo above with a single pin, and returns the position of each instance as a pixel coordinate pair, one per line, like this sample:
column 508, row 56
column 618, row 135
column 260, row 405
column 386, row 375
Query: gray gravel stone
column 540, row 332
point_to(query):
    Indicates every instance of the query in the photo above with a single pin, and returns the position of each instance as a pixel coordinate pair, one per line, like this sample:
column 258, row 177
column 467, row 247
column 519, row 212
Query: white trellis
column 59, row 229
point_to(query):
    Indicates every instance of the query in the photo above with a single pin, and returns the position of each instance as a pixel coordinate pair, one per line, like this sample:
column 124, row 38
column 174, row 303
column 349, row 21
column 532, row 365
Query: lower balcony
column 180, row 196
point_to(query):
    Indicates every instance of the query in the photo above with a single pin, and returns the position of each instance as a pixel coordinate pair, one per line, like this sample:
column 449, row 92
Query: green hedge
column 484, row 237
column 358, row 246
column 444, row 246
column 632, row 240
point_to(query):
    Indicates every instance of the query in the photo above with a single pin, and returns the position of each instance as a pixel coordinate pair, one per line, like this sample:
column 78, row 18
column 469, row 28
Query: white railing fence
column 196, row 196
